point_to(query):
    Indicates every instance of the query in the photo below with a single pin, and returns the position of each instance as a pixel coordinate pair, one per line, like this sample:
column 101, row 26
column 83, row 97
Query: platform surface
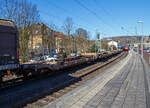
column 124, row 85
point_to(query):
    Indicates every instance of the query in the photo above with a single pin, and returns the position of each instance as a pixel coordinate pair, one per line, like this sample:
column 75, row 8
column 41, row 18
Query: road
column 124, row 85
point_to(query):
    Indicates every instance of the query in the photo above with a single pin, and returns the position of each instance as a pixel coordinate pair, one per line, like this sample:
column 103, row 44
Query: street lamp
column 141, row 22
column 99, row 40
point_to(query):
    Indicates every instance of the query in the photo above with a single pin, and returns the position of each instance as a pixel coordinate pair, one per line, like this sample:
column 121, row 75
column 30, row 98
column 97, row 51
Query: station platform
column 124, row 85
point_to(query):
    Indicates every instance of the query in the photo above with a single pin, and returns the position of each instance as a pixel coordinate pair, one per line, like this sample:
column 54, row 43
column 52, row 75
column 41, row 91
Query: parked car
column 73, row 54
column 148, row 51
column 44, row 57
column 56, row 56
column 50, row 58
column 35, row 59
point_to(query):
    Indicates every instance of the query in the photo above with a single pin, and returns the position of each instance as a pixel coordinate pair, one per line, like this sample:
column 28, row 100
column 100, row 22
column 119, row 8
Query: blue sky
column 111, row 15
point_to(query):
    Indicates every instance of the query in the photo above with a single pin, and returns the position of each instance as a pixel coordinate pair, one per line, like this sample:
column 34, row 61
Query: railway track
column 11, row 81
column 69, row 83
column 80, row 78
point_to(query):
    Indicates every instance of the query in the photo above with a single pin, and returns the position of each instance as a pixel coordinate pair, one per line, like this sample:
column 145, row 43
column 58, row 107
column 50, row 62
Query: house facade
column 44, row 41
column 59, row 42
column 113, row 45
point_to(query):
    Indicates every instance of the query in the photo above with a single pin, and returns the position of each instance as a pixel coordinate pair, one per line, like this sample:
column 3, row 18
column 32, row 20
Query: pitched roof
column 58, row 34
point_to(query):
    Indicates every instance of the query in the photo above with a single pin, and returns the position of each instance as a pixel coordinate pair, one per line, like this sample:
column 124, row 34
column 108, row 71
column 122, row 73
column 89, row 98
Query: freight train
column 9, row 56
column 125, row 48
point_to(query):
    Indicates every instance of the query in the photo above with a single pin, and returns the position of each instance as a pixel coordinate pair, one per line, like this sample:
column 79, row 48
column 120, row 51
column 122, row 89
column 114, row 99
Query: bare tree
column 23, row 13
column 88, row 41
column 68, row 28
column 82, row 42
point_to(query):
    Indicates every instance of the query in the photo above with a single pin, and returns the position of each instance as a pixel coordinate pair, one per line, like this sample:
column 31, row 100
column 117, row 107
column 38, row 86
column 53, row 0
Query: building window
column 36, row 40
column 36, row 32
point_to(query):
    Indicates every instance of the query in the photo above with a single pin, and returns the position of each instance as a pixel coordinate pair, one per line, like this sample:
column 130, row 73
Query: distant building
column 136, row 45
column 59, row 42
column 112, row 44
column 44, row 41
column 39, row 35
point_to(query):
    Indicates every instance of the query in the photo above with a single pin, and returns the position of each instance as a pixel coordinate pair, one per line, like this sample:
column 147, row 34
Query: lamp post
column 99, row 41
column 141, row 23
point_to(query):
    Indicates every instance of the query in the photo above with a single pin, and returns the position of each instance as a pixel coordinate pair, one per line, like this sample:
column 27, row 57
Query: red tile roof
column 59, row 34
